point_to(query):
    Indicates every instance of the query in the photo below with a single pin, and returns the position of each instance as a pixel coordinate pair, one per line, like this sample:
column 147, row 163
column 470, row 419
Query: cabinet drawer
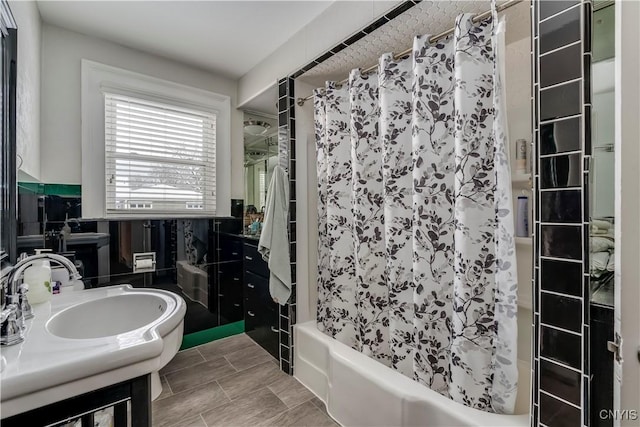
column 261, row 324
column 253, row 261
column 256, row 287
column 230, row 248
column 230, row 296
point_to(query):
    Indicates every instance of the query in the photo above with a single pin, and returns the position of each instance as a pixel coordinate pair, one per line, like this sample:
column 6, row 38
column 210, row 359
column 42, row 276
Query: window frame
column 99, row 78
column 207, row 205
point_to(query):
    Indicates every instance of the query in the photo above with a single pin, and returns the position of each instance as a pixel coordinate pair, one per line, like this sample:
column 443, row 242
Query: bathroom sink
column 83, row 340
column 108, row 316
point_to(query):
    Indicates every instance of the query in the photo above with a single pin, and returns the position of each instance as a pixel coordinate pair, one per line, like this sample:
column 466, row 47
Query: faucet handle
column 8, row 311
column 10, row 330
column 25, row 307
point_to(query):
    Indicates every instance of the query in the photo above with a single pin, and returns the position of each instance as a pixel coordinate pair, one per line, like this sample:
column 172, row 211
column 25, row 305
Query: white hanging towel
column 274, row 239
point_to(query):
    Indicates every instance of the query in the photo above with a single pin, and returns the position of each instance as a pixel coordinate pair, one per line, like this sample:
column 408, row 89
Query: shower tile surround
column 561, row 59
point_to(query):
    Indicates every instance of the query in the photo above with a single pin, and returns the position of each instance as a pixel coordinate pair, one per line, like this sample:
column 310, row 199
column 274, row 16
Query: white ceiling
column 226, row 37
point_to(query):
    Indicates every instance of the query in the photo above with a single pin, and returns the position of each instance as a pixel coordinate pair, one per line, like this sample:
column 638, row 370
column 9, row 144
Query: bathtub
column 359, row 391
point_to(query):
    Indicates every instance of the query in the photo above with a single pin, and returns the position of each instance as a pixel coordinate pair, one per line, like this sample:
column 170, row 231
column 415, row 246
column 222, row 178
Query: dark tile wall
column 287, row 159
column 561, row 96
column 107, row 260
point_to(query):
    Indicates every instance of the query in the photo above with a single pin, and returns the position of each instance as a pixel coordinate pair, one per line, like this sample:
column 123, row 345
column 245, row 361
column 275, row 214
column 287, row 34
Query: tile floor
column 233, row 382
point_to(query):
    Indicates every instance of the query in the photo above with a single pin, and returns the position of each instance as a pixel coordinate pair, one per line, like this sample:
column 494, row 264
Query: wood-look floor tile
column 182, row 359
column 226, row 346
column 250, row 379
column 201, row 373
column 195, row 421
column 303, row 415
column 247, row 410
column 175, row 409
column 290, row 391
column 166, row 390
column 248, row 357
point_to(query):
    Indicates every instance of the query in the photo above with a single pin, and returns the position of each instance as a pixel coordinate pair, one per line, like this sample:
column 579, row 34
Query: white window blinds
column 159, row 158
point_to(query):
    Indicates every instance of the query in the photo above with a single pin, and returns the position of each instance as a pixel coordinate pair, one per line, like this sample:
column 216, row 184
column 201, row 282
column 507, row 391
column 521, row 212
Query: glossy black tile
column 536, row 364
column 587, row 129
column 561, row 136
column 588, row 25
column 562, row 277
column 400, row 9
column 586, row 87
column 560, row 381
column 561, row 206
column 561, row 66
column 284, row 353
column 561, row 241
column 354, row 38
column 561, row 346
column 558, row 414
column 561, row 101
column 561, row 171
column 284, row 337
column 560, row 30
column 563, row 312
column 547, row 8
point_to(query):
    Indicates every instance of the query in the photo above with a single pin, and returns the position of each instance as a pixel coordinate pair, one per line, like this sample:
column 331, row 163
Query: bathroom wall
column 335, row 24
column 62, row 51
column 29, row 24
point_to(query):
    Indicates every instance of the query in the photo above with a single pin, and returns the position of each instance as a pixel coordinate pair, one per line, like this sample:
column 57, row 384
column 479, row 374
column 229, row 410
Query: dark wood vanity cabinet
column 225, row 273
column 260, row 311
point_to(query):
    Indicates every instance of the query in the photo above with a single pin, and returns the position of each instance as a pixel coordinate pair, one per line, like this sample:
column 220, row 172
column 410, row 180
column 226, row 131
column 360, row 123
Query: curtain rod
column 479, row 17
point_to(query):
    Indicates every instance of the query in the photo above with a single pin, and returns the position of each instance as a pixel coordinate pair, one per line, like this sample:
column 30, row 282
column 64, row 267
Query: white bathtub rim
column 387, row 379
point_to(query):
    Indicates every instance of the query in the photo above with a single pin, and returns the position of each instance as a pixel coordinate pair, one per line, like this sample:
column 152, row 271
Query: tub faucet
column 16, row 308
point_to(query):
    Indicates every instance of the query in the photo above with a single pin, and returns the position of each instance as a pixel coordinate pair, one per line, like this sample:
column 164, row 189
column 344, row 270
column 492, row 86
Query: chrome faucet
column 16, row 308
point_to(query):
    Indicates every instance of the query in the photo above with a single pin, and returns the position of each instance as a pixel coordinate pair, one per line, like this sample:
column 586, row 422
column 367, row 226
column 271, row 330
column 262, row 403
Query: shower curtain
column 416, row 257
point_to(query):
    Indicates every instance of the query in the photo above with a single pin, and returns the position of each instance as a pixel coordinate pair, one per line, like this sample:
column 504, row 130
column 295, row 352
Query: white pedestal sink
column 85, row 340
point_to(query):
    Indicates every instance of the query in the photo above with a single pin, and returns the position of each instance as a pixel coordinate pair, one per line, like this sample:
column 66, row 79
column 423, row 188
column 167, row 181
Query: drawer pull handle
column 250, row 313
column 274, row 330
column 220, row 295
column 247, row 257
column 234, row 253
column 249, row 285
column 236, row 279
column 236, row 305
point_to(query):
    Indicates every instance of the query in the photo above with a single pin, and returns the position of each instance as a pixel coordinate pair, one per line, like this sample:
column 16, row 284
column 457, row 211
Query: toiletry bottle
column 522, row 217
column 38, row 277
column 521, row 156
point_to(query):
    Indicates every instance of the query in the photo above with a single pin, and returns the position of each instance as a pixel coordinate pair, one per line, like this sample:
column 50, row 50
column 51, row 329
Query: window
column 158, row 157
column 153, row 135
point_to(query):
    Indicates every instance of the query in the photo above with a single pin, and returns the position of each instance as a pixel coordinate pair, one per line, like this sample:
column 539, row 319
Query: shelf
column 524, row 241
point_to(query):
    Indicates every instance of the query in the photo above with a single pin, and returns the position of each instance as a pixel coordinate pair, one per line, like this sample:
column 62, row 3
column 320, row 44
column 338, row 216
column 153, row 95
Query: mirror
column 260, row 157
column 601, row 210
column 602, row 197
column 8, row 141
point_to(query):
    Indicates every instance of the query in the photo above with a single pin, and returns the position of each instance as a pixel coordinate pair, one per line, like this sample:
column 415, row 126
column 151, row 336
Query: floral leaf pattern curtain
column 416, row 263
